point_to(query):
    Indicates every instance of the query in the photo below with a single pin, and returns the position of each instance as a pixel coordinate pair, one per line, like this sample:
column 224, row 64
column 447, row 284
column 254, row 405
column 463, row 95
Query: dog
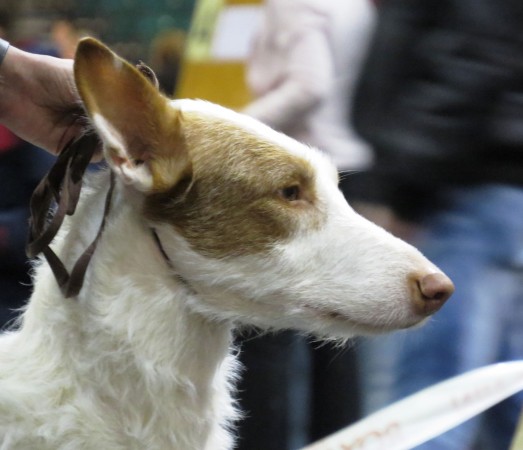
column 217, row 221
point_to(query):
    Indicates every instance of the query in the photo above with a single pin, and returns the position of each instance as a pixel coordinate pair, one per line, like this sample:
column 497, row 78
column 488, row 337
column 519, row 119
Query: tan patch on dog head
column 246, row 193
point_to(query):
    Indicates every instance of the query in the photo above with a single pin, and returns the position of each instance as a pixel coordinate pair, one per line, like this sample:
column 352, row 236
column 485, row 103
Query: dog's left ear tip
column 89, row 45
column 89, row 41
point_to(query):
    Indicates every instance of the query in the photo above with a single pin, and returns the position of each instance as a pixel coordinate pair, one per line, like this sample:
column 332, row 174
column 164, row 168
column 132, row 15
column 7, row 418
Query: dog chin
column 332, row 324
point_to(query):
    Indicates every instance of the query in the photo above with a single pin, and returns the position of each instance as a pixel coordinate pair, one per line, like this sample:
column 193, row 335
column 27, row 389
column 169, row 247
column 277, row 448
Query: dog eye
column 290, row 193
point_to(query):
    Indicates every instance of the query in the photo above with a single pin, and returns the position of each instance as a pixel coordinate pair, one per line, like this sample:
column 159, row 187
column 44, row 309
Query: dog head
column 252, row 219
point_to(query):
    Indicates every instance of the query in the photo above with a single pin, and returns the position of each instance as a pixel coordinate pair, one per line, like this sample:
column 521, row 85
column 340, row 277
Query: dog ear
column 141, row 132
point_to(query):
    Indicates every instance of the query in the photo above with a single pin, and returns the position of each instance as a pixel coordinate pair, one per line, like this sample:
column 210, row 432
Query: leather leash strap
column 62, row 185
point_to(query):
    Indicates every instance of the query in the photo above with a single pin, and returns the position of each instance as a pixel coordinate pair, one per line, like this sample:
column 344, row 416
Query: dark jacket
column 21, row 168
column 441, row 98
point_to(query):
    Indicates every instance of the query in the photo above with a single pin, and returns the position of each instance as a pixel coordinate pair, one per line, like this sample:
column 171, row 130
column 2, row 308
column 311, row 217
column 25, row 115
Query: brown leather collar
column 62, row 185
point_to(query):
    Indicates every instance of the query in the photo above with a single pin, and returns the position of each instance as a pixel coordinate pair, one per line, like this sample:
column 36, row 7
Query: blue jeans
column 477, row 239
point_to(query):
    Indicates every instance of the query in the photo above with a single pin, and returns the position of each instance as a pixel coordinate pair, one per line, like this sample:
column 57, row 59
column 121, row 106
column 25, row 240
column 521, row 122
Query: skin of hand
column 38, row 99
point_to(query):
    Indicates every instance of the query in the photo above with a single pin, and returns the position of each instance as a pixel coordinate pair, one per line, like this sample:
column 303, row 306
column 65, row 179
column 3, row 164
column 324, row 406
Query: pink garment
column 7, row 139
column 303, row 67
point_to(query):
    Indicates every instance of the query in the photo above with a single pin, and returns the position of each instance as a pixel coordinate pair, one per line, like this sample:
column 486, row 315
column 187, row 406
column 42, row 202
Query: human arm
column 38, row 99
column 307, row 78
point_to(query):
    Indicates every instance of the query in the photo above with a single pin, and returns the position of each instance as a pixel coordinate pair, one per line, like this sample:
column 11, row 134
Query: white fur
column 142, row 360
column 137, row 176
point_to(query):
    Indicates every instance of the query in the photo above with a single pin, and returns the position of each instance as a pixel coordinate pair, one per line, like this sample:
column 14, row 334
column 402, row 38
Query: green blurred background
column 129, row 26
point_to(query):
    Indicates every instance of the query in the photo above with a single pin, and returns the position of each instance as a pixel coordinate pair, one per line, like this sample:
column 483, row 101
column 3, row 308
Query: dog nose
column 431, row 292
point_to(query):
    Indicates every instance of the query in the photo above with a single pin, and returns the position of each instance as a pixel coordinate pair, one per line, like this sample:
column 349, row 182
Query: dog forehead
column 225, row 127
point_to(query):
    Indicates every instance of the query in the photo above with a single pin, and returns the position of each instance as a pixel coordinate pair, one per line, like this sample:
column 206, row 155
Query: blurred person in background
column 21, row 167
column 305, row 60
column 441, row 102
column 166, row 56
column 65, row 36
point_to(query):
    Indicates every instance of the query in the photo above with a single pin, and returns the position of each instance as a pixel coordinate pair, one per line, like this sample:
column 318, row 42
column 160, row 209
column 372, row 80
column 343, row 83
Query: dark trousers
column 293, row 392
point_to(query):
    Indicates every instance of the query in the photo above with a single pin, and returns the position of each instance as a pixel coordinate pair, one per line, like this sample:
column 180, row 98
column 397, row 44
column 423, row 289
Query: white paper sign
column 234, row 32
column 430, row 412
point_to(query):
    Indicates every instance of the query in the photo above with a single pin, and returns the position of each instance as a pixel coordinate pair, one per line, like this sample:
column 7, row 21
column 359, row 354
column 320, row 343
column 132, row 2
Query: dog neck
column 139, row 340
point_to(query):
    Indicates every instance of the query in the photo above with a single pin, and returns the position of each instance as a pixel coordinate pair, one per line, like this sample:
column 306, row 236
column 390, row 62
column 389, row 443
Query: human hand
column 38, row 99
